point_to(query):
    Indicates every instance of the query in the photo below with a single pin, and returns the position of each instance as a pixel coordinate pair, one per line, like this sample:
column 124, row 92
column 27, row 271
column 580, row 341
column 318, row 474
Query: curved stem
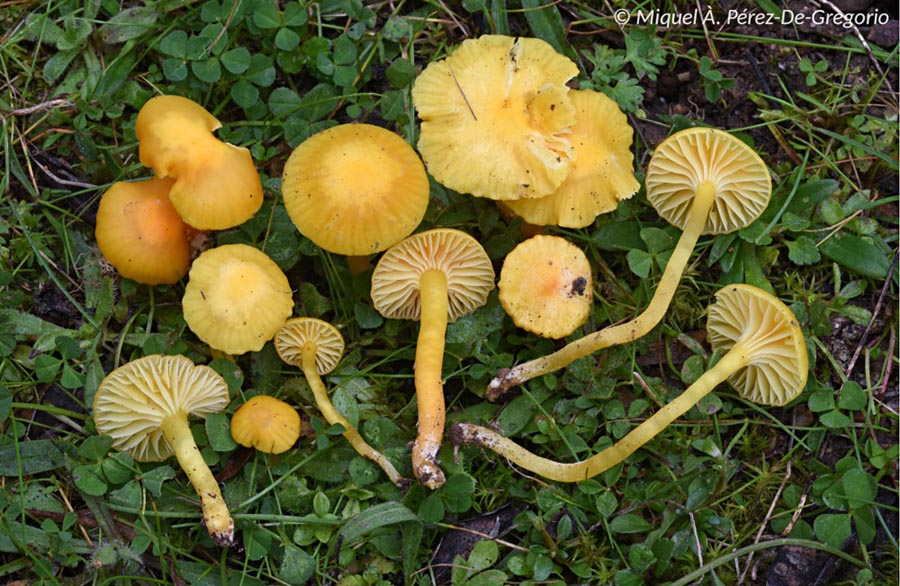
column 333, row 416
column 429, row 388
column 466, row 433
column 630, row 330
column 216, row 516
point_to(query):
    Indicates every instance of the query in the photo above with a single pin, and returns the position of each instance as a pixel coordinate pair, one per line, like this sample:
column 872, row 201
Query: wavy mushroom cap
column 395, row 280
column 355, row 189
column 496, row 116
column 217, row 185
column 132, row 401
column 236, row 298
column 267, row 424
column 546, row 286
column 140, row 233
column 689, row 158
column 297, row 332
column 602, row 167
column 778, row 361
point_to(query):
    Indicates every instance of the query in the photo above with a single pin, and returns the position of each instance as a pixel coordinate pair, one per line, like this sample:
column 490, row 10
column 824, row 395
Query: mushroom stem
column 467, row 433
column 630, row 330
column 216, row 517
column 333, row 416
column 429, row 388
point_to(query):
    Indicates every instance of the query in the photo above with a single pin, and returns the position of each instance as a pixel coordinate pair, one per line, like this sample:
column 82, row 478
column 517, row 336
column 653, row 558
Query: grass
column 716, row 499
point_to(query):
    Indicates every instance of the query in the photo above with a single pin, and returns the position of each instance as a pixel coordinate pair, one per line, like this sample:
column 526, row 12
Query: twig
column 49, row 105
column 875, row 312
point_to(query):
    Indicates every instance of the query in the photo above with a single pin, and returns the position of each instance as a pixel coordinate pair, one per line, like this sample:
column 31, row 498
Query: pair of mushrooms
column 146, row 229
column 704, row 181
column 499, row 121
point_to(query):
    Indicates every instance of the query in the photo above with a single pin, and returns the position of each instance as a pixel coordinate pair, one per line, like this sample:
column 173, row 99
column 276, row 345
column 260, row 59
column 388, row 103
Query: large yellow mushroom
column 496, row 117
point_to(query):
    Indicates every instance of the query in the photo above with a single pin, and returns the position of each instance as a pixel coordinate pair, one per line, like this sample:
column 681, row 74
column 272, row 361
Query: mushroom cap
column 217, row 184
column 299, row 331
column 602, row 167
column 132, row 401
column 355, row 189
column 395, row 280
column 267, row 424
column 690, row 157
column 140, row 233
column 546, row 286
column 778, row 361
column 236, row 298
column 496, row 116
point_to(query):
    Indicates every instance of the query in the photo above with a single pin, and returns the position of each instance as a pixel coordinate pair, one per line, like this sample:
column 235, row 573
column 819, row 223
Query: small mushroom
column 267, row 424
column 216, row 183
column 315, row 346
column 236, row 298
column 496, row 117
column 140, row 233
column 702, row 180
column 144, row 406
column 355, row 189
column 602, row 167
column 764, row 358
column 436, row 277
column 546, row 286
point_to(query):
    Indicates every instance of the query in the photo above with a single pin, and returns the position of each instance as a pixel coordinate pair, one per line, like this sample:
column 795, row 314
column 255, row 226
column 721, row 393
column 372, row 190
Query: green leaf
column 834, row 419
column 546, row 23
column 384, row 514
column 287, row 40
column 34, row 457
column 153, row 479
column 295, row 14
column 174, row 44
column 175, row 69
column 832, row 529
column 860, row 487
column 283, row 101
column 207, row 70
column 857, row 254
column 639, row 262
column 266, row 15
column 244, row 93
column 366, row 316
column 401, row 73
column 89, row 479
column 130, row 23
column 95, row 447
column 853, row 397
column 236, row 60
column 820, row 401
column 218, row 430
column 297, row 566
column 803, row 251
column 629, row 523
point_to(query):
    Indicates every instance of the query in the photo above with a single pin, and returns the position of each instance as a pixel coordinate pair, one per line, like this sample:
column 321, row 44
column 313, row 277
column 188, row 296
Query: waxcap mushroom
column 602, row 167
column 700, row 179
column 435, row 277
column 355, row 189
column 690, row 158
column 217, row 185
column 268, row 424
column 765, row 359
column 140, row 233
column 546, row 286
column 236, row 298
column 144, row 406
column 396, row 279
column 496, row 117
column 315, row 346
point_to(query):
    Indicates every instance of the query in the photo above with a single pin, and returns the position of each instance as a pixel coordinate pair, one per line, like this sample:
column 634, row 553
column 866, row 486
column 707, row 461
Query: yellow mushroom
column 315, row 346
column 267, row 424
column 216, row 183
column 435, row 277
column 496, row 117
column 355, row 189
column 140, row 233
column 546, row 286
column 236, row 298
column 144, row 406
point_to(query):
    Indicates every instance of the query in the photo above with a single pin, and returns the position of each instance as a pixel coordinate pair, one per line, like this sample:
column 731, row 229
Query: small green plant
column 712, row 80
